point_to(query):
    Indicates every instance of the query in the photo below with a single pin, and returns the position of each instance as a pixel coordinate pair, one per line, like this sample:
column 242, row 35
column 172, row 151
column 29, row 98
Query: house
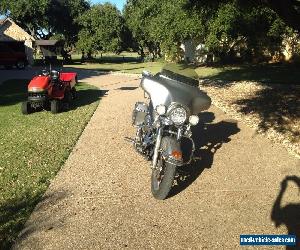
column 196, row 52
column 16, row 37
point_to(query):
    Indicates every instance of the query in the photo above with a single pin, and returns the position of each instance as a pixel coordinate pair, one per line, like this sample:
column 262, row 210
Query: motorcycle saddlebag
column 139, row 113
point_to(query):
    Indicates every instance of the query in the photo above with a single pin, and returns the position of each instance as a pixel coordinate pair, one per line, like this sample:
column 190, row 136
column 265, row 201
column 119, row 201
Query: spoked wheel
column 162, row 179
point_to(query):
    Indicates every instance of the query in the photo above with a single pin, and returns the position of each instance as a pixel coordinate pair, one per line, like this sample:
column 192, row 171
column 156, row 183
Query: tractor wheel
column 74, row 93
column 26, row 108
column 47, row 106
column 68, row 97
column 55, row 106
column 67, row 101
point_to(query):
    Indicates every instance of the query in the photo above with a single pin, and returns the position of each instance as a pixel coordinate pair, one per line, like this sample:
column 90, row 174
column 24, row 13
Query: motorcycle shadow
column 208, row 138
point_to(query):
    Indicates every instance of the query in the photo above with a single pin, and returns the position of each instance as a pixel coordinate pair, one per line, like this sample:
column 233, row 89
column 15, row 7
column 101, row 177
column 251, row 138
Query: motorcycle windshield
column 176, row 83
column 181, row 73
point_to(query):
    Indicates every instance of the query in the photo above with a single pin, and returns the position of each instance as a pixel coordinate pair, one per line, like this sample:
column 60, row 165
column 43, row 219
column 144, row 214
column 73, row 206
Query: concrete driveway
column 101, row 198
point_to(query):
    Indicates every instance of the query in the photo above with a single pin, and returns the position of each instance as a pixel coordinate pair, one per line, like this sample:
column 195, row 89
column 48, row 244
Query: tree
column 175, row 24
column 44, row 18
column 138, row 15
column 28, row 14
column 63, row 18
column 253, row 31
column 101, row 29
column 224, row 31
column 246, row 30
column 162, row 25
column 287, row 10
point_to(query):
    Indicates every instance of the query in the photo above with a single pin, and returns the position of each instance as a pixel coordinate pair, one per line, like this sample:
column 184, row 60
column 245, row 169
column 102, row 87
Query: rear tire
column 26, row 108
column 67, row 101
column 55, row 106
column 162, row 181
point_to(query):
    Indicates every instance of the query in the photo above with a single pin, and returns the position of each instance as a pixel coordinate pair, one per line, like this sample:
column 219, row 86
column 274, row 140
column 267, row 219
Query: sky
column 119, row 3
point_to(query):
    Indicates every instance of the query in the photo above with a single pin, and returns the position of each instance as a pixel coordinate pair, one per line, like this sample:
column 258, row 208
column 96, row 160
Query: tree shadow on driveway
column 15, row 212
column 277, row 106
column 208, row 138
column 289, row 215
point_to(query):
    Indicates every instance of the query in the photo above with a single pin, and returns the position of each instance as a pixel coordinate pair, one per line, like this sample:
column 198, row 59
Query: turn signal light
column 194, row 120
column 177, row 155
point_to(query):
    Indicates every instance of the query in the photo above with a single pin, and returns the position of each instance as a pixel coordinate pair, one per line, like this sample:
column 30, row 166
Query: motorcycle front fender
column 171, row 151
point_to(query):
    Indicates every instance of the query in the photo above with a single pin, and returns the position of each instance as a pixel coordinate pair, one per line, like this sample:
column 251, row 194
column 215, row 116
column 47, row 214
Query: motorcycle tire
column 161, row 188
column 55, row 106
column 26, row 108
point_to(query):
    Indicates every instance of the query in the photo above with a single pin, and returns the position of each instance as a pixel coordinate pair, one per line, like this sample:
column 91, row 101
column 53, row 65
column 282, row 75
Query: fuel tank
column 164, row 90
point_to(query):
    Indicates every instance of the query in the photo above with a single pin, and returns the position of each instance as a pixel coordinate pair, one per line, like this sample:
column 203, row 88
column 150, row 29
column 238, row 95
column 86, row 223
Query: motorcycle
column 163, row 122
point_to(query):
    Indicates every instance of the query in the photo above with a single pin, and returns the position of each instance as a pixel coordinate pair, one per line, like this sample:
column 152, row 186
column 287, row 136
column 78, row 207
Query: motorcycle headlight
column 178, row 115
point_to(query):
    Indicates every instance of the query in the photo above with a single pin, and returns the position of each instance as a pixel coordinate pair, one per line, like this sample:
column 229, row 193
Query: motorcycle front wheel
column 162, row 179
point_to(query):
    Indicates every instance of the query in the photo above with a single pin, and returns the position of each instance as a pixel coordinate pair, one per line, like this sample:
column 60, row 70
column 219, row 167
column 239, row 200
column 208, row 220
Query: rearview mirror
column 146, row 73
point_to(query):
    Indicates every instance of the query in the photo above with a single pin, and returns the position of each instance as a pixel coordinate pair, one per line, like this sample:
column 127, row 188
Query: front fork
column 157, row 147
column 172, row 146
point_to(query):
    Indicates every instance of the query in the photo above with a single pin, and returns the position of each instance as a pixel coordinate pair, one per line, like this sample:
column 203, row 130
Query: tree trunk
column 82, row 56
column 142, row 53
column 89, row 55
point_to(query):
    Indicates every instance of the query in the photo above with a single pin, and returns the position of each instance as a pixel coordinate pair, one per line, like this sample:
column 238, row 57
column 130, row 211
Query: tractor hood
column 39, row 84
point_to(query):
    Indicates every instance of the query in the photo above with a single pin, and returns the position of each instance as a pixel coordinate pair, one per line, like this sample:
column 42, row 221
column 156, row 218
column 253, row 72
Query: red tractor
column 52, row 90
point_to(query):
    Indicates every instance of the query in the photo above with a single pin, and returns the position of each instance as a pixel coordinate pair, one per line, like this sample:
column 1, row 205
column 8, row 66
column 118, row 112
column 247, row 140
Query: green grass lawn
column 126, row 67
column 126, row 62
column 129, row 62
column 33, row 149
column 268, row 73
